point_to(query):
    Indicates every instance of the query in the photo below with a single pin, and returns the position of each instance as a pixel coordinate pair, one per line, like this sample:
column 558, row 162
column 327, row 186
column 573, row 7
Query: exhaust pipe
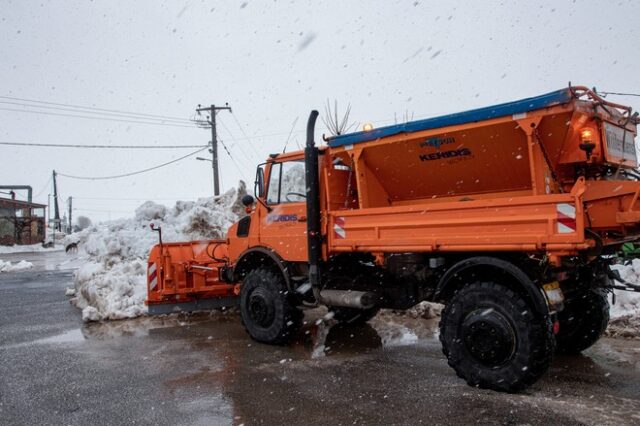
column 343, row 298
column 314, row 240
column 348, row 298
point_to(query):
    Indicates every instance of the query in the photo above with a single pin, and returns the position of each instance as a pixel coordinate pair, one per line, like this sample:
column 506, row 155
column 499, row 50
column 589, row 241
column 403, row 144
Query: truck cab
column 277, row 215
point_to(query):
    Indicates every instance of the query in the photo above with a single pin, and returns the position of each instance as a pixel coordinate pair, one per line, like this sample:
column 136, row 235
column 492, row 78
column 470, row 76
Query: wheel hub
column 489, row 337
column 261, row 308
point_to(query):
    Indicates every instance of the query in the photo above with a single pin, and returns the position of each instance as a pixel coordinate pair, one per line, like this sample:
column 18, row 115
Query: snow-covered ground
column 112, row 282
column 625, row 312
column 29, row 248
column 12, row 267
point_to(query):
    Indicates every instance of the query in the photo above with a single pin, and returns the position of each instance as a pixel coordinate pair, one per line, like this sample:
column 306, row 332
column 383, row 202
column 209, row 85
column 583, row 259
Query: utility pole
column 211, row 120
column 70, row 209
column 56, row 217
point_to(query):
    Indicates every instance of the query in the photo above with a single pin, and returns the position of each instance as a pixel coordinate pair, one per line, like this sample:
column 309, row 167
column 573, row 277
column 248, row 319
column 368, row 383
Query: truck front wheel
column 267, row 313
column 492, row 338
column 582, row 321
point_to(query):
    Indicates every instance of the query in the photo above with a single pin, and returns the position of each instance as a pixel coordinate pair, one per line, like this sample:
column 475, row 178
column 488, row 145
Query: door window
column 273, row 191
column 287, row 183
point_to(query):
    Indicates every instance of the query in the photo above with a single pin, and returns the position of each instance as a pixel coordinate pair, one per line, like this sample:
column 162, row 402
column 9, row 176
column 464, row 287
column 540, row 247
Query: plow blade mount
column 189, row 276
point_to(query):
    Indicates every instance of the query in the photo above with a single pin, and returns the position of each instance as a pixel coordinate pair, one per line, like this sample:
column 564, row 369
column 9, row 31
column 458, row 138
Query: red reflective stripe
column 338, row 227
column 567, row 221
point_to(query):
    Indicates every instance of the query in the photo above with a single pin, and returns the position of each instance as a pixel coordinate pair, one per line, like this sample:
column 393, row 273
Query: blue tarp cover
column 474, row 115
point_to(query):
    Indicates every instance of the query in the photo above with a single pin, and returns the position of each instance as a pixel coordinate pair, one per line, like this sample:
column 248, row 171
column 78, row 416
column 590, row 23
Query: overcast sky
column 272, row 61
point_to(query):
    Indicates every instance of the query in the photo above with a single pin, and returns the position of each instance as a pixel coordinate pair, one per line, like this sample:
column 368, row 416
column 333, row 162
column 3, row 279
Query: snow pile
column 108, row 290
column 397, row 335
column 425, row 310
column 112, row 284
column 625, row 313
column 8, row 267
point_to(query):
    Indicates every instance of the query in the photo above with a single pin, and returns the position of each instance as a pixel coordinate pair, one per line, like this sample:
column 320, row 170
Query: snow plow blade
column 189, row 276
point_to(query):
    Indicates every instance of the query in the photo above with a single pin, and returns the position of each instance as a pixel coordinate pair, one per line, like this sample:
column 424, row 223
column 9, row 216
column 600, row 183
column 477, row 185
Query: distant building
column 21, row 222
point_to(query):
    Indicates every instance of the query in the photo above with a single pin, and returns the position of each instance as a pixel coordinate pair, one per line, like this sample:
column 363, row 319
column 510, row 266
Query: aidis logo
column 281, row 218
column 437, row 142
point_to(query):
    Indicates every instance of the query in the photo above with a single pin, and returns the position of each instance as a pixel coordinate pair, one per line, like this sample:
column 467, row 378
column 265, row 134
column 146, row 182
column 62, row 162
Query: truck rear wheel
column 267, row 314
column 352, row 315
column 492, row 338
column 582, row 321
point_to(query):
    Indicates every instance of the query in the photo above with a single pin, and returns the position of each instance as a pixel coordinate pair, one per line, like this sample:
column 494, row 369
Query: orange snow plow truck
column 509, row 215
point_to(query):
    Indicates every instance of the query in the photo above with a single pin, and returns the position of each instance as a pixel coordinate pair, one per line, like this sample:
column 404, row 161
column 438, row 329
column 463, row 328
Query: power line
column 236, row 143
column 266, row 135
column 133, row 173
column 164, row 120
column 233, row 159
column 46, row 185
column 140, row 116
column 244, row 134
column 96, row 118
column 93, row 108
column 61, row 145
column 619, row 94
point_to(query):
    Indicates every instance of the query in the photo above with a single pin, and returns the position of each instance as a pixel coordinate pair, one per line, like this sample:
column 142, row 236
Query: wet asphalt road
column 204, row 369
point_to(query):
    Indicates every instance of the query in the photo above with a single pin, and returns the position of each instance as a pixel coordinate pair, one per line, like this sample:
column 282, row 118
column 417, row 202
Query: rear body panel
column 553, row 223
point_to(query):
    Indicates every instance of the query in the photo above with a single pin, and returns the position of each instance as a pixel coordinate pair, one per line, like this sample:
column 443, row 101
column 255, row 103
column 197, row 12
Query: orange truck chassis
column 509, row 215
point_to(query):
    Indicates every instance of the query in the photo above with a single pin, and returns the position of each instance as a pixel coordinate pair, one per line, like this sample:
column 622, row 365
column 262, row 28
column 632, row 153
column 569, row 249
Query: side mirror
column 247, row 200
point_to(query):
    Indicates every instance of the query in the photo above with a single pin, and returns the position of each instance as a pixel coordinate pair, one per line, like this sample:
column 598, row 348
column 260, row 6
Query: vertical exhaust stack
column 345, row 298
column 314, row 239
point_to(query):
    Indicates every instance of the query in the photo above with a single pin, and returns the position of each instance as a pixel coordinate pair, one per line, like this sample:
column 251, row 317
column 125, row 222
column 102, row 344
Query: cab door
column 284, row 227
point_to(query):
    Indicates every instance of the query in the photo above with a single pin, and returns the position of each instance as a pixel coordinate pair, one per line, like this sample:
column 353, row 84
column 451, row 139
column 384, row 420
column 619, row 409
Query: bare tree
column 82, row 222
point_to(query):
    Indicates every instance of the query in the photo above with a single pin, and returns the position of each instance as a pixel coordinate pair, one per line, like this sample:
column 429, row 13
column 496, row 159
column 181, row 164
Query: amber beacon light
column 586, row 141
